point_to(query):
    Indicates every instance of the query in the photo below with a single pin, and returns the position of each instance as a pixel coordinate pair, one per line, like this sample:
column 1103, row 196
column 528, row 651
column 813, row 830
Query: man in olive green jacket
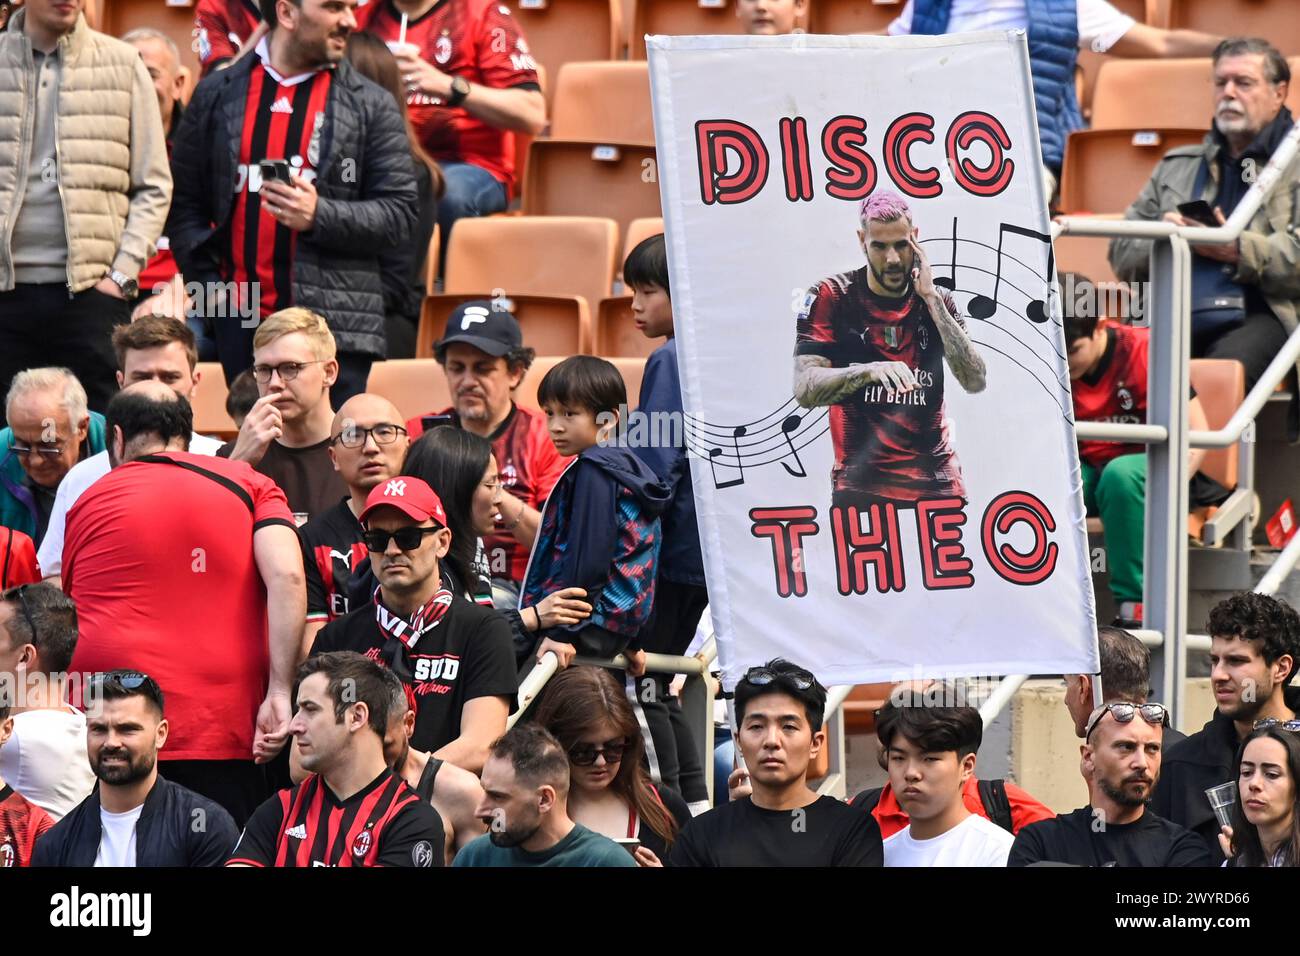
column 84, row 192
column 1251, row 80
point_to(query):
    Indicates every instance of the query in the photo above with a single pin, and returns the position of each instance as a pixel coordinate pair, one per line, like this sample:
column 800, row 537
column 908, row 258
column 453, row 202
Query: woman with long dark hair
column 609, row 789
column 460, row 467
column 1265, row 827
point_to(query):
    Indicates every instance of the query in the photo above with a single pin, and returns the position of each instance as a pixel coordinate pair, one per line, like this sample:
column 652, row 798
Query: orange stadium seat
column 1293, row 90
column 431, row 261
column 1275, row 20
column 561, row 31
column 414, row 385
column 852, row 16
column 533, row 255
column 1085, row 255
column 639, row 230
column 551, row 325
column 209, row 402
column 1130, row 93
column 616, row 181
column 616, row 335
column 603, row 102
column 1221, row 386
column 679, row 18
column 1105, row 169
column 523, row 140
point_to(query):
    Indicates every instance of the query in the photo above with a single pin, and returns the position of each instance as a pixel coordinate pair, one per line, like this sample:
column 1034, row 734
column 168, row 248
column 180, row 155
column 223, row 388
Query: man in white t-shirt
column 45, row 760
column 155, row 347
column 929, row 752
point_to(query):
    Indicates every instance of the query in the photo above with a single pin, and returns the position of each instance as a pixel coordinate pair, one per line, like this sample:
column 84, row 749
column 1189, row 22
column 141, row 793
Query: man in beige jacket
column 1245, row 294
column 84, row 192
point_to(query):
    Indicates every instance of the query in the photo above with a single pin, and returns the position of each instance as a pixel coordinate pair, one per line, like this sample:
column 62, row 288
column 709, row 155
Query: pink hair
column 884, row 207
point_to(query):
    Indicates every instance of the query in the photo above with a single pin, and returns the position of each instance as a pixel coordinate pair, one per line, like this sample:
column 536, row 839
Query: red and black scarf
column 402, row 633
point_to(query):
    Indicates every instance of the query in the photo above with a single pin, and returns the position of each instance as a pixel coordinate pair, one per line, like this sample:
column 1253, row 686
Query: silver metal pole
column 1000, row 697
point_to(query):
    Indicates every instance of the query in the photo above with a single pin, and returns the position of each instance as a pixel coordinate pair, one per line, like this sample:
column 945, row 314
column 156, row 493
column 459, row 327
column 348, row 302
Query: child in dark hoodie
column 599, row 530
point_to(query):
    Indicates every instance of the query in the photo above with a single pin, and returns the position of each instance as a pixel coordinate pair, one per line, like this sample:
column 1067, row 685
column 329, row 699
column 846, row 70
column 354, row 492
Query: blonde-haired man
column 286, row 434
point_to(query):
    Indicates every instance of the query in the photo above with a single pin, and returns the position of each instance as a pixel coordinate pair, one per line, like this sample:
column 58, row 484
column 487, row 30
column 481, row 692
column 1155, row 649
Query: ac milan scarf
column 401, row 634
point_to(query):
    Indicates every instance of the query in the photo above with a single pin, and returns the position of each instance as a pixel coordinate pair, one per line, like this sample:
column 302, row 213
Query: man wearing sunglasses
column 780, row 708
column 1254, row 648
column 368, row 444
column 456, row 658
column 286, row 434
column 50, row 430
column 1121, row 764
column 134, row 817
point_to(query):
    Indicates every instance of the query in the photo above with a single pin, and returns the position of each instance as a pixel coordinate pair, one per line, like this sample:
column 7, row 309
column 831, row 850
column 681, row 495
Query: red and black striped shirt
column 21, row 824
column 385, row 823
column 283, row 119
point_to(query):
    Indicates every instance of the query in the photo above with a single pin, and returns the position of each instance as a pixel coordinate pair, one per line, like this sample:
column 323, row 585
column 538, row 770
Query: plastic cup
column 1222, row 799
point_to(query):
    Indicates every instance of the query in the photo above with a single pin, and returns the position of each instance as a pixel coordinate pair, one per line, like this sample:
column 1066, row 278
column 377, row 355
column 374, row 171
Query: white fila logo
column 298, row 833
column 474, row 314
column 282, row 105
column 396, row 487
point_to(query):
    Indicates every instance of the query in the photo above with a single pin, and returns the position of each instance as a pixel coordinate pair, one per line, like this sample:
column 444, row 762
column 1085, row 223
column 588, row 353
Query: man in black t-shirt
column 327, row 820
column 1121, row 764
column 456, row 658
column 286, row 433
column 779, row 712
column 368, row 445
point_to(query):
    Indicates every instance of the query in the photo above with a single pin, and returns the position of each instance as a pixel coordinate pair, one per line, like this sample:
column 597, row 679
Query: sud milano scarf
column 401, row 634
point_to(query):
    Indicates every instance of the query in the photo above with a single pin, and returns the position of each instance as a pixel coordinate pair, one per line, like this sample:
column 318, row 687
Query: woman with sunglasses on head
column 1265, row 827
column 609, row 789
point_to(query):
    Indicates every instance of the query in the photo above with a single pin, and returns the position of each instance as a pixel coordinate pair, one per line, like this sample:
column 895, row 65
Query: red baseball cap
column 411, row 496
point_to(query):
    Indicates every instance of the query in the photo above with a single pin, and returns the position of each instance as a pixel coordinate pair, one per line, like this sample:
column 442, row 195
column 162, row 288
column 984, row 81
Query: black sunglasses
column 21, row 593
column 1274, row 722
column 762, row 676
column 126, row 681
column 408, row 538
column 1125, row 711
column 584, row 755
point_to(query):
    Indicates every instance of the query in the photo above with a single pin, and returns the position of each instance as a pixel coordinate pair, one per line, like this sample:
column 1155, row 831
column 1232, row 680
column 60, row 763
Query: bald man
column 368, row 445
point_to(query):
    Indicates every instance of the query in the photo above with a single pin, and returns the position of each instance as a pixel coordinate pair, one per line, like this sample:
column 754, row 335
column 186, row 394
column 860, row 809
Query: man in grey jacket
column 1257, row 277
column 84, row 190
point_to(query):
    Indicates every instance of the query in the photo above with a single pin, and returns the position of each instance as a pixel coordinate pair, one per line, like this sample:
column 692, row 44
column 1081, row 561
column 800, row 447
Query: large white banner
column 873, row 367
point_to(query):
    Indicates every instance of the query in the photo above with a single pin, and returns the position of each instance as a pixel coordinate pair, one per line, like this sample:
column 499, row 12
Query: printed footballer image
column 876, row 345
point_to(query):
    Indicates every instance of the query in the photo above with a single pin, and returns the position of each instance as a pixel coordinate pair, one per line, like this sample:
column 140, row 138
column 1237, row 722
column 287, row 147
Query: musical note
column 790, row 425
column 982, row 307
column 950, row 283
column 737, row 433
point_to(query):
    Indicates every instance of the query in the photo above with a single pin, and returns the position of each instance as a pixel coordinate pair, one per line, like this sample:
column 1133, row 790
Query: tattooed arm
column 817, row 383
column 966, row 364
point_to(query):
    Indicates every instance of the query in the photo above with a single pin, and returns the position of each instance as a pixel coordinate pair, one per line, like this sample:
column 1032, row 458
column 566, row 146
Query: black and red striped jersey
column 1115, row 391
column 332, row 551
column 283, row 119
column 21, row 823
column 385, row 823
column 887, row 444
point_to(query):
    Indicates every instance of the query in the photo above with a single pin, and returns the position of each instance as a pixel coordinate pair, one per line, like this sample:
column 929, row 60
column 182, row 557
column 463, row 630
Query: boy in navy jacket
column 680, row 593
column 600, row 528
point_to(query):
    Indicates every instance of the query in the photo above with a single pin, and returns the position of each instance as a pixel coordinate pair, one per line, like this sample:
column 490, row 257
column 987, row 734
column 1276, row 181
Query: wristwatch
column 124, row 282
column 459, row 91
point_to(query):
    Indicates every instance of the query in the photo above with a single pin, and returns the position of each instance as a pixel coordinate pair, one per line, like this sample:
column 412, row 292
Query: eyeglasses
column 584, row 755
column 1125, row 711
column 48, row 449
column 287, row 371
column 408, row 538
column 384, row 434
column 762, row 676
column 1274, row 722
column 21, row 593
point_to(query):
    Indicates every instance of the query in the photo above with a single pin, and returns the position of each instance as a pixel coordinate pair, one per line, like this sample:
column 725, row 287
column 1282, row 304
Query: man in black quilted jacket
column 296, row 174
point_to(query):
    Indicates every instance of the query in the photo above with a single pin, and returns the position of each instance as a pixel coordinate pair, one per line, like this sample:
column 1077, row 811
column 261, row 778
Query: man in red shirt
column 1108, row 382
column 483, row 355
column 872, row 345
column 211, row 606
column 471, row 86
column 223, row 29
column 21, row 821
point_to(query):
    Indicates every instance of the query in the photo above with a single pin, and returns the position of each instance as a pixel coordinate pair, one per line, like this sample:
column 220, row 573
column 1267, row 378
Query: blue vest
column 1053, row 49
